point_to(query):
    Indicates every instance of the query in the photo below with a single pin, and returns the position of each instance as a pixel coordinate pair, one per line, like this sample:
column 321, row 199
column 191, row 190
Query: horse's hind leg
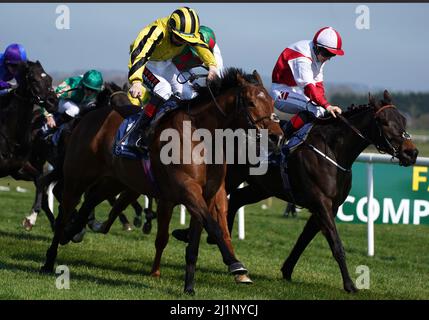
column 70, row 199
column 121, row 203
column 122, row 217
column 164, row 212
column 138, row 214
column 192, row 255
column 104, row 189
column 149, row 216
column 310, row 230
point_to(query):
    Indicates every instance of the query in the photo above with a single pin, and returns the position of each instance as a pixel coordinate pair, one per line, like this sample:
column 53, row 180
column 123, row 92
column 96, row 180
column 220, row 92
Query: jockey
column 152, row 73
column 76, row 95
column 297, row 79
column 9, row 60
column 188, row 60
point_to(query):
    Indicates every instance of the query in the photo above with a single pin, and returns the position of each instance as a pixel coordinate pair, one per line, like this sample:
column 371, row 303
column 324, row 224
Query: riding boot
column 137, row 137
column 288, row 129
column 144, row 128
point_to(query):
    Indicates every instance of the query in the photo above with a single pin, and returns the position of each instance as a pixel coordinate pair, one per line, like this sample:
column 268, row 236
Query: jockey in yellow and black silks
column 152, row 74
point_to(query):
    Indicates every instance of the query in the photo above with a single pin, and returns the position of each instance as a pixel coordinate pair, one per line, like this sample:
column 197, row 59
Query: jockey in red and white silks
column 297, row 78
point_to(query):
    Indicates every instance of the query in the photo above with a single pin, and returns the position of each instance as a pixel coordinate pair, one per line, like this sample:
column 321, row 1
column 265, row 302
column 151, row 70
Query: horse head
column 37, row 85
column 257, row 107
column 390, row 135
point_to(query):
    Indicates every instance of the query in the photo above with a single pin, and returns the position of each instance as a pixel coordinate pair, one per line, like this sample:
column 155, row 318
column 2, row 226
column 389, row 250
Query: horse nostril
column 412, row 153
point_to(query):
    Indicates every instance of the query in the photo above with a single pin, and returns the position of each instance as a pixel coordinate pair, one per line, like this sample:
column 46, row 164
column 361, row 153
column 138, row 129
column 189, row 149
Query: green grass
column 117, row 266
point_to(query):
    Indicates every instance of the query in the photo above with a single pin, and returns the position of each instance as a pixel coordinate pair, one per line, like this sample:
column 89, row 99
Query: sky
column 391, row 54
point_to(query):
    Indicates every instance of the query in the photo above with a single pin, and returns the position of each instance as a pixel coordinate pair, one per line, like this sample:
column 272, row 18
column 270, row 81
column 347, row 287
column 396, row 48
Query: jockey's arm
column 141, row 51
column 207, row 58
column 315, row 91
column 219, row 60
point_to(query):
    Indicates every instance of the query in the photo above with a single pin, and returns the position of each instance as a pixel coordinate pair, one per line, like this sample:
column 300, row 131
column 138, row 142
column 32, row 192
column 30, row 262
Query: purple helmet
column 15, row 53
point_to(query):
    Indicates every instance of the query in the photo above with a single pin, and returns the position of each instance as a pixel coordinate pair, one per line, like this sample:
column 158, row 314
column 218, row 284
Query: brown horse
column 318, row 184
column 239, row 101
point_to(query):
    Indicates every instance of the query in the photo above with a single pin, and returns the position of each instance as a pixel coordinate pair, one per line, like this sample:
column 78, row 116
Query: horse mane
column 227, row 80
column 350, row 112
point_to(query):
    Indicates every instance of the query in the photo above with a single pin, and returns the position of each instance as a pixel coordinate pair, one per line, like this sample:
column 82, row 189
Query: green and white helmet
column 93, row 79
column 208, row 36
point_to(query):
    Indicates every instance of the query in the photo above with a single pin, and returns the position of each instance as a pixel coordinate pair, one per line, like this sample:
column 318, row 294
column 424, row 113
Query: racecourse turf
column 117, row 265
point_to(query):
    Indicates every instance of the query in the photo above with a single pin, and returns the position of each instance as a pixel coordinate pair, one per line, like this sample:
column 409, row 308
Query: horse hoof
column 189, row 291
column 26, row 223
column 242, row 278
column 96, row 227
column 137, row 221
column 155, row 274
column 350, row 288
column 237, row 268
column 181, row 235
column 46, row 270
column 79, row 236
column 127, row 227
column 147, row 227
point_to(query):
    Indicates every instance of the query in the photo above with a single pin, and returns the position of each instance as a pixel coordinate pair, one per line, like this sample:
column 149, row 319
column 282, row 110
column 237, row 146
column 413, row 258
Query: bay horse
column 16, row 113
column 318, row 184
column 239, row 101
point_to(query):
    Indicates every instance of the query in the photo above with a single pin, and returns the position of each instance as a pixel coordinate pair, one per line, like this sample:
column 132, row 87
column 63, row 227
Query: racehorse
column 16, row 111
column 239, row 101
column 319, row 184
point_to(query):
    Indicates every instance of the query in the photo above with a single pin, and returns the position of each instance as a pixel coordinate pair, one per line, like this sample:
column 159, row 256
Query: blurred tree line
column 414, row 105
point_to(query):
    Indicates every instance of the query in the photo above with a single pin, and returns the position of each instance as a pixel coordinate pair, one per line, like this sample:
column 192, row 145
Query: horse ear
column 241, row 81
column 258, row 77
column 387, row 97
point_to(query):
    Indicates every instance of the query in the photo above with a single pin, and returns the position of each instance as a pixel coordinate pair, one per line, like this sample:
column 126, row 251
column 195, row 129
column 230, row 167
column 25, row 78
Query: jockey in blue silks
column 9, row 60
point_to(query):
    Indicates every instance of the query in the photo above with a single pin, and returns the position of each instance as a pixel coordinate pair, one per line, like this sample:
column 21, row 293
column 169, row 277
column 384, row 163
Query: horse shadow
column 24, row 236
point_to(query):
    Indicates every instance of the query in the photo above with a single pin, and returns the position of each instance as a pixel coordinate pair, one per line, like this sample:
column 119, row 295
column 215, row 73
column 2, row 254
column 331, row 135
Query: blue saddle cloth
column 124, row 135
column 294, row 142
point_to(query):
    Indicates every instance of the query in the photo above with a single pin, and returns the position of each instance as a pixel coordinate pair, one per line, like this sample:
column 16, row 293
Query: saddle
column 127, row 133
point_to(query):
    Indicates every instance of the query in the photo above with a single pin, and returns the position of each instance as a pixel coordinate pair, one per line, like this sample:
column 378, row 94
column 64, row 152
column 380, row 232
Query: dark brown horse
column 318, row 184
column 16, row 113
column 239, row 101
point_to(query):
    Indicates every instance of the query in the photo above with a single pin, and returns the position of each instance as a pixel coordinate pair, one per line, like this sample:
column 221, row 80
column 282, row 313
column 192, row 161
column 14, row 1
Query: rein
column 359, row 133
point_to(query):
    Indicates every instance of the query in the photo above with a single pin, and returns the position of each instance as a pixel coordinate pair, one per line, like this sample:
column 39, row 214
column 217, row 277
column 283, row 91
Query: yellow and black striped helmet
column 185, row 23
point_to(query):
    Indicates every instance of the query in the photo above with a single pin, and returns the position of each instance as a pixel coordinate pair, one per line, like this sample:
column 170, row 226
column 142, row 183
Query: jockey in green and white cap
column 188, row 60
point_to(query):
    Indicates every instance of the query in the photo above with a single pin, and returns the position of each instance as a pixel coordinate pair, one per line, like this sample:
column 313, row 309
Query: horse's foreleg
column 192, row 255
column 310, row 230
column 164, row 212
column 329, row 230
column 197, row 207
column 243, row 196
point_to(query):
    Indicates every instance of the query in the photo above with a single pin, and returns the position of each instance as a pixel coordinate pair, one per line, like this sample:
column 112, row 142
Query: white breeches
column 288, row 100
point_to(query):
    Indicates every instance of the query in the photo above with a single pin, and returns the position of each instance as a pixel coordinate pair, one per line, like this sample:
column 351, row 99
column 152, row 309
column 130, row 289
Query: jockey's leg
column 156, row 77
column 296, row 122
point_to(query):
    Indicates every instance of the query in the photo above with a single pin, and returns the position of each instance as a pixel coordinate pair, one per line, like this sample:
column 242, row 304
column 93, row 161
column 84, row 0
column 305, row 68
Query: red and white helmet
column 329, row 39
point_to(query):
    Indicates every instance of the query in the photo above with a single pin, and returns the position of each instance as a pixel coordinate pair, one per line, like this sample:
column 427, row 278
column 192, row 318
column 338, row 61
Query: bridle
column 240, row 104
column 392, row 150
column 34, row 98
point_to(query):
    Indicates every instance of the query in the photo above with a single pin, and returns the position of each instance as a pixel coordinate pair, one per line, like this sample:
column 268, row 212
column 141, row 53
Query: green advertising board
column 401, row 195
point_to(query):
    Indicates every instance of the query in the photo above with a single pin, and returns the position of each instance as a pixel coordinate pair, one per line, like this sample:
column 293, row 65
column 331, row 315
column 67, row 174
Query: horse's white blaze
column 43, row 75
column 261, row 95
